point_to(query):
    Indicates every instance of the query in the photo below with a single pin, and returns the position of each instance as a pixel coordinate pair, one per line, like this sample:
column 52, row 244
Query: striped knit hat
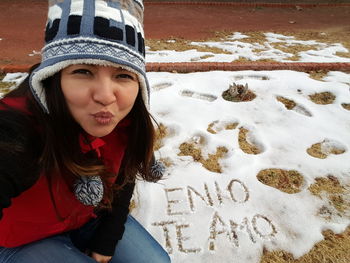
column 101, row 32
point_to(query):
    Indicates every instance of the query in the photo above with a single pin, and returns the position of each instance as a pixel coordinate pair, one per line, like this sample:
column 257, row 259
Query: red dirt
column 201, row 21
column 22, row 23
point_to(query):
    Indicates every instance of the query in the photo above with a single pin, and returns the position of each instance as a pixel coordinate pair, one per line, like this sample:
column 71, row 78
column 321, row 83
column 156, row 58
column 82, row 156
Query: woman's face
column 98, row 97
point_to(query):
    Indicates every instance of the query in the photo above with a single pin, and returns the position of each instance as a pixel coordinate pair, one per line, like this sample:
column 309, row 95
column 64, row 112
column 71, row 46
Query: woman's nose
column 104, row 91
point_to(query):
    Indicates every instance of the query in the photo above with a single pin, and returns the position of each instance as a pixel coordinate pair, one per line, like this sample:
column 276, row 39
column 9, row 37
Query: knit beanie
column 100, row 32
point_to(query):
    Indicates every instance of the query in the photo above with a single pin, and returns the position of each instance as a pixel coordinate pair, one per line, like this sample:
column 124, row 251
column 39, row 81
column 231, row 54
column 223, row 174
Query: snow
column 203, row 216
column 15, row 78
column 318, row 52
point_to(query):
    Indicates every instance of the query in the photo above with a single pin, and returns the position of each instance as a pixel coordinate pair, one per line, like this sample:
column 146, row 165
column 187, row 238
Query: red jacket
column 32, row 215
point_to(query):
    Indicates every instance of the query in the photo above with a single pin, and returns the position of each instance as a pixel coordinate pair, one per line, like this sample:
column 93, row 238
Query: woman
column 74, row 136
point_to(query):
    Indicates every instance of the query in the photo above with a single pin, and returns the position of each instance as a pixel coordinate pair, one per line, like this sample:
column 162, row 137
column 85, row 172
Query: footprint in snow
column 198, row 95
column 248, row 142
column 323, row 149
column 346, row 106
column 217, row 126
column 258, row 77
column 292, row 105
column 161, row 86
column 162, row 132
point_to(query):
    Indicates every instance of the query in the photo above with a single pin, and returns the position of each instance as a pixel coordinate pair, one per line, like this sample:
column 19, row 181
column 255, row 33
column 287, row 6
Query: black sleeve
column 111, row 227
column 19, row 154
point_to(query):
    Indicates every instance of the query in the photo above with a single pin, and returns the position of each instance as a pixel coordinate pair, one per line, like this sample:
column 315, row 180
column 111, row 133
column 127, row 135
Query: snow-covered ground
column 204, row 216
column 238, row 49
column 230, row 216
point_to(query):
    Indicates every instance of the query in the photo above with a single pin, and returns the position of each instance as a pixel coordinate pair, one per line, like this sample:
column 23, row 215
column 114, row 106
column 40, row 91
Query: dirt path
column 22, row 23
column 197, row 22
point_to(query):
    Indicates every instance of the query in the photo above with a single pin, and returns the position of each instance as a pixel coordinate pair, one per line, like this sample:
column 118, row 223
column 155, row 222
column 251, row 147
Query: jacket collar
column 89, row 143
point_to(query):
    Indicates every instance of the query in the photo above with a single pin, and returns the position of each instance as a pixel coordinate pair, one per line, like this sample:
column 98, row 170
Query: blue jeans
column 136, row 246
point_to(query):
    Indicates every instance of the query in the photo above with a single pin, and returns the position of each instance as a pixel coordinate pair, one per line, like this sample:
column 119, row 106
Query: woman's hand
column 100, row 258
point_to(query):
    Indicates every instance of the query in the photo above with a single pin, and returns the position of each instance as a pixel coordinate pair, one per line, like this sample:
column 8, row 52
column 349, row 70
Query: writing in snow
column 175, row 231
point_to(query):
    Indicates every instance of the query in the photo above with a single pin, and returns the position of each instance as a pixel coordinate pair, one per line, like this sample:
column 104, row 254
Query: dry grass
column 293, row 58
column 346, row 106
column 231, row 126
column 161, row 133
column 315, row 151
column 293, row 49
column 132, row 205
column 318, row 74
column 329, row 36
column 242, row 60
column 343, row 54
column 322, row 98
column 249, row 96
column 245, row 145
column 334, row 190
column 289, row 104
column 180, row 44
column 246, row 60
column 288, row 181
column 189, row 149
column 253, row 38
column 266, row 60
column 333, row 249
column 201, row 58
column 211, row 163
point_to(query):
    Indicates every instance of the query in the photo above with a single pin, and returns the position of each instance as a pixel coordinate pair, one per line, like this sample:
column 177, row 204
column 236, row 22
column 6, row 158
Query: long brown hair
column 61, row 153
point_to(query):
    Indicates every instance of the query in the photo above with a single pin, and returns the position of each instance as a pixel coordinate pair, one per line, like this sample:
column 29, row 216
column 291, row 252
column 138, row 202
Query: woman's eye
column 125, row 76
column 82, row 71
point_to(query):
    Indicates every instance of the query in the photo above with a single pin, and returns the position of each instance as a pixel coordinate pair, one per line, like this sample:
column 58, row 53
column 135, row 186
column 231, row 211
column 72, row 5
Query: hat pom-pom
column 89, row 190
column 157, row 170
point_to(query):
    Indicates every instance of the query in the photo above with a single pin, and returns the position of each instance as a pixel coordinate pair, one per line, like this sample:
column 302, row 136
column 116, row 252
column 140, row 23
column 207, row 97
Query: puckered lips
column 103, row 117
